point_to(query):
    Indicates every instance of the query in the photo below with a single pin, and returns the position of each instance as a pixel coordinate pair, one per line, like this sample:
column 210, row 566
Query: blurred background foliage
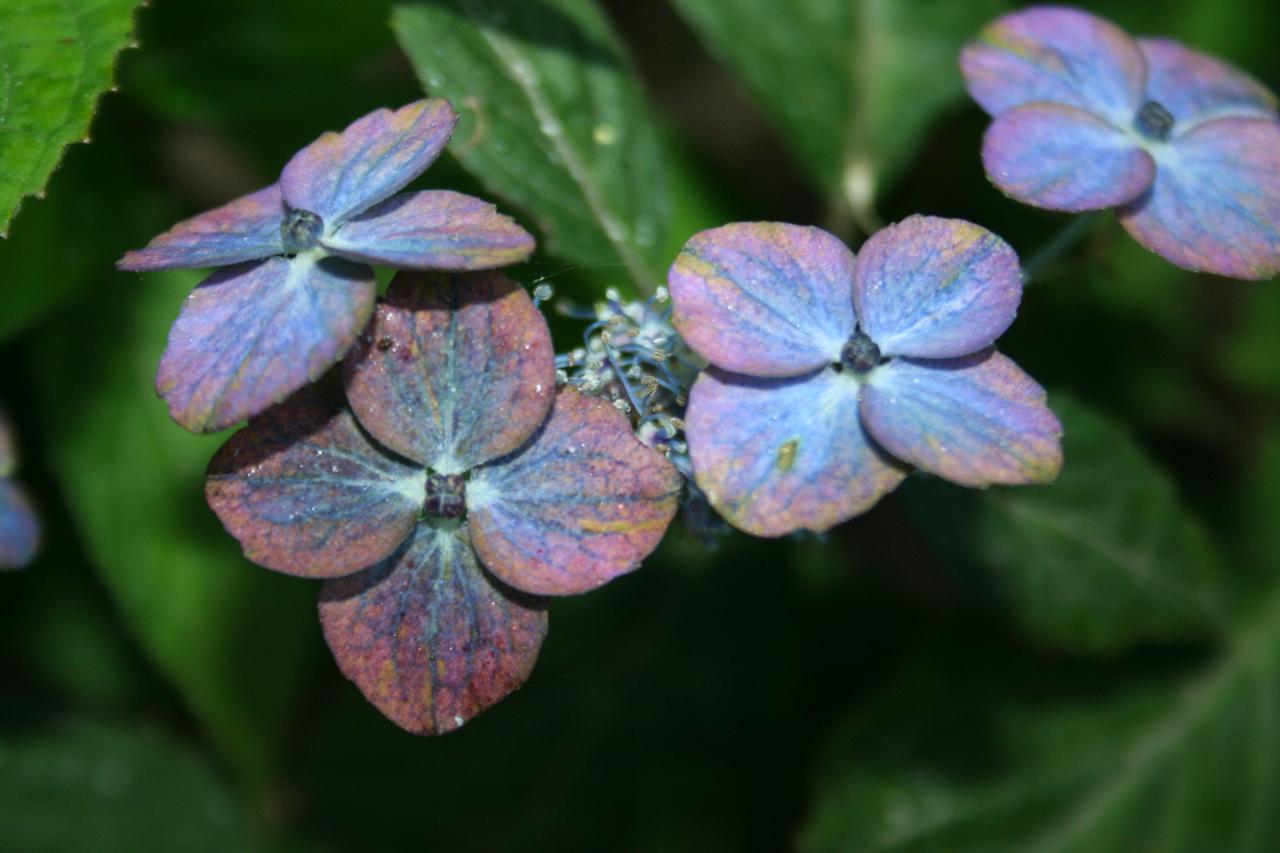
column 1087, row 667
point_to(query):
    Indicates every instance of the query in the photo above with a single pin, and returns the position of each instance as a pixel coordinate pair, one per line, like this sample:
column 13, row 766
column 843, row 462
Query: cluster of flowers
column 431, row 458
column 19, row 529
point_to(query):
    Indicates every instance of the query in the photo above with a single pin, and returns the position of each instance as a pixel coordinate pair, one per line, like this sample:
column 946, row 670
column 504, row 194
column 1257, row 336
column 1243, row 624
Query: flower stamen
column 1154, row 121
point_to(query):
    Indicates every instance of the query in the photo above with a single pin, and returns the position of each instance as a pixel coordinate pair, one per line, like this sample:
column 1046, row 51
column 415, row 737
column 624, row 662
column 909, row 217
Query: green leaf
column 1105, row 558
column 853, row 84
column 552, row 120
column 984, row 754
column 94, row 788
column 233, row 638
column 56, row 58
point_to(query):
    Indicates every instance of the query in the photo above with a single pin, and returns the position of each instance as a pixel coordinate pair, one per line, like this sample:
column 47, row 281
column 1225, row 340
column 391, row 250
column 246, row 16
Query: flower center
column 860, row 354
column 1154, row 121
column 446, row 496
column 301, row 231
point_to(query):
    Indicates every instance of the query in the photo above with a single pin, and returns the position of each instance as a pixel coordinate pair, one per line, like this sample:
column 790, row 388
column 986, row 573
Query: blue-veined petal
column 764, row 298
column 976, row 421
column 433, row 230
column 455, row 369
column 246, row 229
column 19, row 529
column 341, row 175
column 1215, row 204
column 935, row 287
column 1195, row 87
column 1055, row 54
column 583, row 502
column 428, row 636
column 778, row 455
column 308, row 493
column 1064, row 158
column 251, row 335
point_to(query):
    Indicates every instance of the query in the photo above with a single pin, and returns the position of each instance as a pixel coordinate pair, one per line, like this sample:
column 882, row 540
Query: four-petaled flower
column 1087, row 118
column 828, row 372
column 451, row 490
column 19, row 529
column 296, row 289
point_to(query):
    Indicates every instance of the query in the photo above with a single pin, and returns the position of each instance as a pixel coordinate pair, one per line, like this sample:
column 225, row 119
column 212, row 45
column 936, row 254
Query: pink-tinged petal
column 1195, row 87
column 977, row 421
column 935, row 287
column 1215, row 204
column 341, row 175
column 1063, row 158
column 246, row 229
column 433, row 230
column 19, row 528
column 249, row 336
column 454, row 370
column 428, row 637
column 778, row 455
column 1055, row 54
column 583, row 502
column 307, row 493
column 764, row 298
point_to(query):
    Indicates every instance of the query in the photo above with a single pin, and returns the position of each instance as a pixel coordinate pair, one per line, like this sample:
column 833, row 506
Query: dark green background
column 1090, row 668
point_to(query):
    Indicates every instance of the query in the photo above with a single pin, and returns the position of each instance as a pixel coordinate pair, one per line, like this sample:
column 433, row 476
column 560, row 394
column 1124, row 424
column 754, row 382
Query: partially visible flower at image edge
column 1185, row 147
column 441, row 494
column 831, row 375
column 19, row 527
column 296, row 287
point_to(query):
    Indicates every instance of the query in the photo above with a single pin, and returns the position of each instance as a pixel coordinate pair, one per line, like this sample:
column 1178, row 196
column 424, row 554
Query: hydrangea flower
column 451, row 490
column 19, row 528
column 296, row 287
column 831, row 374
column 1186, row 147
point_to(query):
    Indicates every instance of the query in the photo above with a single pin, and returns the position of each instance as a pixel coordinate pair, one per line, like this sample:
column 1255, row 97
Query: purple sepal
column 343, row 174
column 1195, row 87
column 455, row 369
column 19, row 529
column 583, row 502
column 1215, row 204
column 764, row 298
column 976, row 421
column 246, row 229
column 251, row 335
column 1055, row 54
column 430, row 638
column 1064, row 158
column 307, row 493
column 935, row 288
column 778, row 455
column 433, row 230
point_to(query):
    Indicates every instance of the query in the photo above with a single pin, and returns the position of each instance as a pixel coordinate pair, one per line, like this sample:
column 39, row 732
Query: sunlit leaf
column 56, row 58
column 854, row 84
column 552, row 120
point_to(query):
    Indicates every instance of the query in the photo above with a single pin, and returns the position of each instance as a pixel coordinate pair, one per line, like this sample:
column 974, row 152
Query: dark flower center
column 446, row 496
column 1154, row 121
column 301, row 231
column 860, row 354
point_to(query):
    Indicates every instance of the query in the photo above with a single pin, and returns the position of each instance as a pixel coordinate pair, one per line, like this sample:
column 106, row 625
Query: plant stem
column 1065, row 239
